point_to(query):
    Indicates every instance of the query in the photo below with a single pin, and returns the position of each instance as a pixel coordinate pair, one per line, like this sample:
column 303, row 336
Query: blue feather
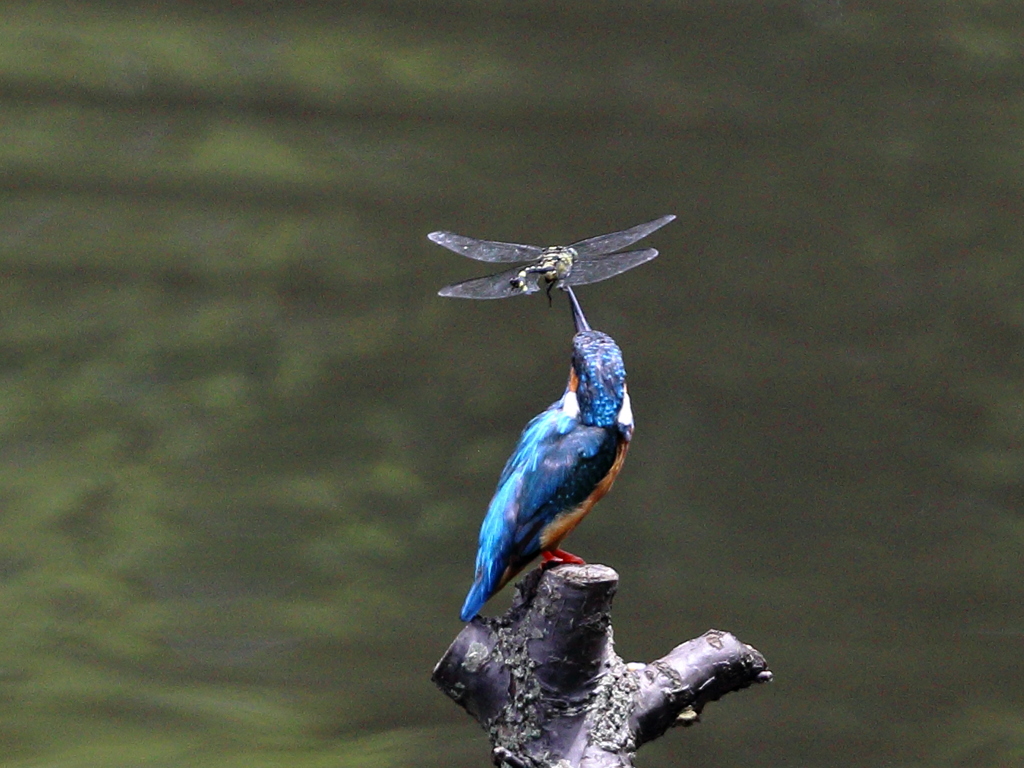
column 555, row 466
column 560, row 462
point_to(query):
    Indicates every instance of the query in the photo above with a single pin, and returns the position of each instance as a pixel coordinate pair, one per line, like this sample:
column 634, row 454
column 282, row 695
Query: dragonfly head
column 599, row 379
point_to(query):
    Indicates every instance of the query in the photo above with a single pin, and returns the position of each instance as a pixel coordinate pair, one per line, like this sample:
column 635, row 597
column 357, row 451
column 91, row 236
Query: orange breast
column 560, row 527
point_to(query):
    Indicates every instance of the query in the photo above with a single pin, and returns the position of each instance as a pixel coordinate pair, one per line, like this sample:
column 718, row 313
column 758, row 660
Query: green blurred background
column 246, row 449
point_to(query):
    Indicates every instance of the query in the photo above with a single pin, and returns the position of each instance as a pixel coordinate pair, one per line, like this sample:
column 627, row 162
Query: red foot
column 561, row 556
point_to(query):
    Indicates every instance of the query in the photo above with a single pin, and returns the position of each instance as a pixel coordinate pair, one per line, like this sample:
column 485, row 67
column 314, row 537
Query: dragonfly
column 588, row 261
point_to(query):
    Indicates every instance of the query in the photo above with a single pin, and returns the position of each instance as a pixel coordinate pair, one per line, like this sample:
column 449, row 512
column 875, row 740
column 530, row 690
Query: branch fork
column 546, row 684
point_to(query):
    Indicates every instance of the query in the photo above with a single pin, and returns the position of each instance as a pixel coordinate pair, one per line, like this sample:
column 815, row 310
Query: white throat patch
column 626, row 411
column 570, row 405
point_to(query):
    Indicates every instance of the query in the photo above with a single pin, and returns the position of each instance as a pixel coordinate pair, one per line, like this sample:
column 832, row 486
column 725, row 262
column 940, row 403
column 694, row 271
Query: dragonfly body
column 553, row 266
column 588, row 261
column 566, row 459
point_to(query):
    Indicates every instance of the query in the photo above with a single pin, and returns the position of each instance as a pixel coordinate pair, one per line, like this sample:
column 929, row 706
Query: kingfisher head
column 598, row 378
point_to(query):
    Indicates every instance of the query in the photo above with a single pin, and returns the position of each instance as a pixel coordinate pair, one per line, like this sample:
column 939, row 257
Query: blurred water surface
column 245, row 448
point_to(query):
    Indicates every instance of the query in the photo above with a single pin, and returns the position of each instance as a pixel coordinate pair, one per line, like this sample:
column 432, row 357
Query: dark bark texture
column 546, row 684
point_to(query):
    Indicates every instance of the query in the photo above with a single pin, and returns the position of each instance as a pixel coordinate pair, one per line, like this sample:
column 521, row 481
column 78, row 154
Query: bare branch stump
column 546, row 684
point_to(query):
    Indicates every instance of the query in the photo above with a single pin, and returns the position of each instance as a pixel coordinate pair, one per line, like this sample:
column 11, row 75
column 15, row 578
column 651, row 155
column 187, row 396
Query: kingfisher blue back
column 566, row 460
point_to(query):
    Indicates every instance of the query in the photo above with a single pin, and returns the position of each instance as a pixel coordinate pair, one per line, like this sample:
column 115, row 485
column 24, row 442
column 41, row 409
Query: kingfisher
column 566, row 460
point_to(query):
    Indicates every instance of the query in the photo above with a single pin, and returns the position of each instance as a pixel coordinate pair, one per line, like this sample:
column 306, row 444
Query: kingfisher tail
column 478, row 595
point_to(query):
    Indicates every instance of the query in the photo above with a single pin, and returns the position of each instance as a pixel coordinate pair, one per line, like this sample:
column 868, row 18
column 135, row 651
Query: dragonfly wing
column 596, row 246
column 485, row 250
column 497, row 286
column 596, row 270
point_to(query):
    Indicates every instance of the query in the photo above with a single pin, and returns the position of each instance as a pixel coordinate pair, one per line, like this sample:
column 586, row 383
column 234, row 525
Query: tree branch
column 546, row 684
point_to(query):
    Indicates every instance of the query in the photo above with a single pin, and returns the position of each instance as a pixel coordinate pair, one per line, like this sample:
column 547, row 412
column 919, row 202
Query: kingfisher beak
column 577, row 312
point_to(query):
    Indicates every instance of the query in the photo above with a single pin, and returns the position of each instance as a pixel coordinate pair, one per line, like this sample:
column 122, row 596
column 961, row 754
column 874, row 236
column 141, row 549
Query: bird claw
column 556, row 556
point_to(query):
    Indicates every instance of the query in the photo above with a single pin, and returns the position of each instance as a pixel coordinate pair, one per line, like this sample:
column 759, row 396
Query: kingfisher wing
column 568, row 473
column 555, row 466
